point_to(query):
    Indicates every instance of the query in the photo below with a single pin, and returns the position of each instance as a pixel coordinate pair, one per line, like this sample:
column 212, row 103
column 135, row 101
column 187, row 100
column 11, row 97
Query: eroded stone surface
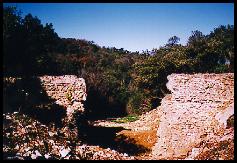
column 61, row 87
column 68, row 91
column 196, row 110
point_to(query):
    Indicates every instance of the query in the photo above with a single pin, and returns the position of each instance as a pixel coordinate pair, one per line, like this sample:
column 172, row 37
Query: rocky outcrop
column 196, row 110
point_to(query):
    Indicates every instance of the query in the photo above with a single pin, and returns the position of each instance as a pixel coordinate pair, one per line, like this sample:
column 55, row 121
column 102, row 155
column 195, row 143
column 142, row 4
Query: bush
column 135, row 103
column 221, row 69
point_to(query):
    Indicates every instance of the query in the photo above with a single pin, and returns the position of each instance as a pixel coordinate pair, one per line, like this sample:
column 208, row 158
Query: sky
column 132, row 26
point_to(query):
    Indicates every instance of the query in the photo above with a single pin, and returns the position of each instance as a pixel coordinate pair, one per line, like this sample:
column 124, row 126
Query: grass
column 129, row 118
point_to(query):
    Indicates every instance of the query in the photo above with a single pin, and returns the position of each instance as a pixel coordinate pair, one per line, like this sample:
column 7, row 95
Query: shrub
column 221, row 68
column 136, row 102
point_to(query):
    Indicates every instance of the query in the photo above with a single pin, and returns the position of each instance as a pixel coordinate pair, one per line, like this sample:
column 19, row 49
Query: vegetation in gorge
column 119, row 82
column 129, row 118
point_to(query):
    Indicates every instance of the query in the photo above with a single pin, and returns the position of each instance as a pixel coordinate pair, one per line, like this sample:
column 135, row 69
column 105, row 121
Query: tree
column 213, row 52
column 32, row 44
column 173, row 41
column 195, row 38
column 221, row 42
column 11, row 34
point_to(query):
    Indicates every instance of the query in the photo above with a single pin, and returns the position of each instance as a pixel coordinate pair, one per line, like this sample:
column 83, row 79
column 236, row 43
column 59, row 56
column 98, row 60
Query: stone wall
column 196, row 110
column 27, row 95
column 68, row 91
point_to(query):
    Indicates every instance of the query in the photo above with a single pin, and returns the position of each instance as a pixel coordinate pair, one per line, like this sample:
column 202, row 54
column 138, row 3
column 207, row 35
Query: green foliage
column 212, row 50
column 129, row 118
column 173, row 41
column 221, row 68
column 136, row 102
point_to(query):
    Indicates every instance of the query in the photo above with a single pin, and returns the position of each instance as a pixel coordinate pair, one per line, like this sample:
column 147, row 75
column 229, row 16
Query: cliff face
column 196, row 111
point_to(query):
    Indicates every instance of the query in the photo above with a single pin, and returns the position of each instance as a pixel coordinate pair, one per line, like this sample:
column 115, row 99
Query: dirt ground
column 135, row 138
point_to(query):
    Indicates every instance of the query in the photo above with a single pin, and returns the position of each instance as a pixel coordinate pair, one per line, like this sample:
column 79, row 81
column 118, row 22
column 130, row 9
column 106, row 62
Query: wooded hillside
column 119, row 82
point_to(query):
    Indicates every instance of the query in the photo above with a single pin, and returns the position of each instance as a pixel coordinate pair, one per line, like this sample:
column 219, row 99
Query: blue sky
column 134, row 27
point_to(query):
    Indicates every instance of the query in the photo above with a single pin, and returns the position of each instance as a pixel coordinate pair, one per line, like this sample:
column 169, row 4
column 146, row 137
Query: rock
column 28, row 153
column 17, row 147
column 202, row 115
column 27, row 149
column 51, row 133
column 47, row 156
column 125, row 154
column 37, row 153
column 194, row 153
column 225, row 114
column 8, row 117
column 33, row 156
column 64, row 152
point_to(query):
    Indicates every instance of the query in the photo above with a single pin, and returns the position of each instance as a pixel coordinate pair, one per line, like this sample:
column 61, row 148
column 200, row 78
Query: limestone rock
column 195, row 111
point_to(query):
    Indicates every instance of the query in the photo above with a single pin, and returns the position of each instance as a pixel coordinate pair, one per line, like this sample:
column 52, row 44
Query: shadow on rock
column 27, row 96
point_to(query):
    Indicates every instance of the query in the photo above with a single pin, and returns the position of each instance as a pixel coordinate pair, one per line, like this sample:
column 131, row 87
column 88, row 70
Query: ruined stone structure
column 196, row 110
column 68, row 91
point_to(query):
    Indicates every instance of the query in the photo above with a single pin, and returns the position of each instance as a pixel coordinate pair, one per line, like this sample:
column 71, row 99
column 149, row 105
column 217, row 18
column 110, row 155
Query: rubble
column 52, row 146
